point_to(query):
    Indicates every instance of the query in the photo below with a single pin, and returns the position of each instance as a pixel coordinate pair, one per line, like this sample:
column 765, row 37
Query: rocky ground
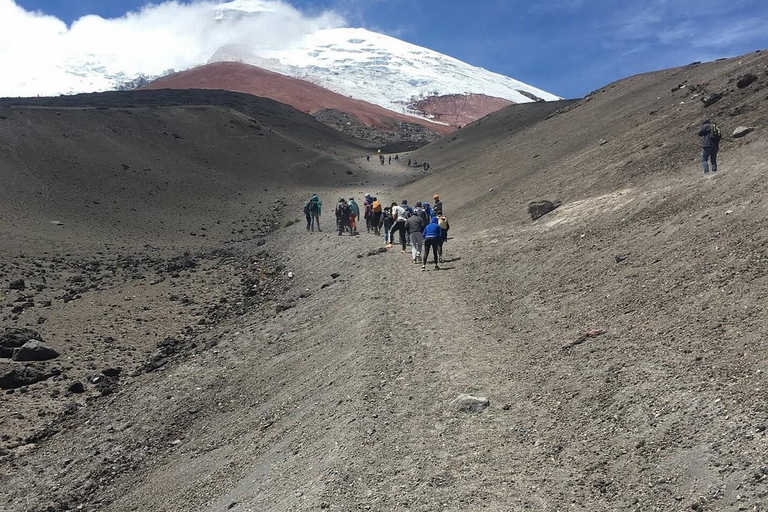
column 608, row 355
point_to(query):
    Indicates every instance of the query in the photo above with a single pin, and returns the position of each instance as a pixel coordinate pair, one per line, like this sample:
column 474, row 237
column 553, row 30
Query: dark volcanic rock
column 538, row 209
column 14, row 376
column 18, row 284
column 711, row 99
column 745, row 80
column 12, row 338
column 34, row 350
column 76, row 387
column 471, row 404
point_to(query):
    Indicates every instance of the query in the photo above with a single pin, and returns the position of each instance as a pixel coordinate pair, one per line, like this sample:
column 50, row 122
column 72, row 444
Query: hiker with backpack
column 432, row 235
column 399, row 216
column 343, row 213
column 312, row 210
column 415, row 226
column 375, row 215
column 710, row 142
column 385, row 223
column 355, row 215
column 444, row 227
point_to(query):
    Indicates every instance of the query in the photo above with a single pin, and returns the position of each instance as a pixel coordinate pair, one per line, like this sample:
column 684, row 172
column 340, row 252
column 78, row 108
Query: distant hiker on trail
column 437, row 210
column 415, row 225
column 376, row 215
column 354, row 215
column 397, row 158
column 386, row 222
column 426, row 166
column 390, row 159
column 432, row 235
column 444, row 227
column 421, row 212
column 368, row 158
column 408, row 211
column 381, row 159
column 312, row 210
column 409, row 162
column 399, row 216
column 710, row 144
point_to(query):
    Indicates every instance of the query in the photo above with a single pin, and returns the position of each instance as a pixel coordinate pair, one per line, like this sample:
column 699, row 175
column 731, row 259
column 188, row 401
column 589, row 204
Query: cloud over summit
column 38, row 53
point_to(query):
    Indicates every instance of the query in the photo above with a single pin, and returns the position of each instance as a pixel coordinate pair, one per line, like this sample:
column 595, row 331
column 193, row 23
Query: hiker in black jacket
column 710, row 143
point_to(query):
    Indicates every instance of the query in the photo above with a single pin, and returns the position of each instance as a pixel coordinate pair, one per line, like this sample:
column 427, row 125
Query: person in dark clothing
column 437, row 209
column 312, row 210
column 415, row 226
column 710, row 144
column 385, row 222
column 343, row 213
column 432, row 235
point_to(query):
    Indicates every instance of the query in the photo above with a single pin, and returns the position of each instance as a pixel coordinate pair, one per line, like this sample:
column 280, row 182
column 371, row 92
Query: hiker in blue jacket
column 432, row 235
column 312, row 210
column 710, row 144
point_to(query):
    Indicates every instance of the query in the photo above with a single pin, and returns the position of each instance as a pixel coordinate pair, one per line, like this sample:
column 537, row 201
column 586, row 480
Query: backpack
column 714, row 130
column 376, row 206
column 346, row 211
column 314, row 207
column 443, row 223
column 306, row 208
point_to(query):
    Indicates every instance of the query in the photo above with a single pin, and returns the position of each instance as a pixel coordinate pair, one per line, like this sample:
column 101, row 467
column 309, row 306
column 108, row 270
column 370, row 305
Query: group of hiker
column 423, row 226
column 413, row 163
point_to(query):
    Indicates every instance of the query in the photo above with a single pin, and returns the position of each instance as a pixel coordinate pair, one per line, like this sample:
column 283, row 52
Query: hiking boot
column 437, row 268
column 414, row 261
column 423, row 268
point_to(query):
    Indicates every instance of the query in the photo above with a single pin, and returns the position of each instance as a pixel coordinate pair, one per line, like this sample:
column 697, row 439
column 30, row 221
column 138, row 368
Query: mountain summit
column 95, row 55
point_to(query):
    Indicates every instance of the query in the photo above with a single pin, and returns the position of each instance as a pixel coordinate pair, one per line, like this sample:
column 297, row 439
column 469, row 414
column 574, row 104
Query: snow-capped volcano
column 373, row 67
column 96, row 54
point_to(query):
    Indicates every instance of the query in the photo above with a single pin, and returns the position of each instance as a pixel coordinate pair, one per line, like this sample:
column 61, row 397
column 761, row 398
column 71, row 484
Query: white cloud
column 37, row 52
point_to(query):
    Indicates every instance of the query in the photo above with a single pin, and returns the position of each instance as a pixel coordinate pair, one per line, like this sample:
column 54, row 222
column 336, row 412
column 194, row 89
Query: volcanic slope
column 619, row 338
column 158, row 166
column 304, row 96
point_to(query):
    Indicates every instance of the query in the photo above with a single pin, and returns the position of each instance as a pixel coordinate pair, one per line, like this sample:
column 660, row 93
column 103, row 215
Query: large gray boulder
column 741, row 131
column 14, row 376
column 34, row 350
column 538, row 209
column 12, row 338
column 471, row 404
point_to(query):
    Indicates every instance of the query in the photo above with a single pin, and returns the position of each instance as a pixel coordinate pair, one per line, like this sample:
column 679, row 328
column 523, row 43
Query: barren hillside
column 619, row 339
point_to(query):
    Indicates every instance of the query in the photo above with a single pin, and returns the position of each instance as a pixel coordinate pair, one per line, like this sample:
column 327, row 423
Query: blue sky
column 567, row 47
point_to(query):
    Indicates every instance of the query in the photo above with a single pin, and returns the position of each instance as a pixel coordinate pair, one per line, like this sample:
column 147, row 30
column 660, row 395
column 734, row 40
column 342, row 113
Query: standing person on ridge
column 355, row 215
column 432, row 235
column 385, row 223
column 710, row 145
column 444, row 227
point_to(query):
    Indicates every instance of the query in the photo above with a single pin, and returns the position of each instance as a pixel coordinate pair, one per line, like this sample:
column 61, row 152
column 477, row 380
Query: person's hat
column 418, row 203
column 436, row 196
column 405, row 201
column 351, row 198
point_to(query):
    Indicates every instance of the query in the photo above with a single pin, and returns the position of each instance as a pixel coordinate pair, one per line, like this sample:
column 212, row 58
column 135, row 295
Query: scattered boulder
column 14, row 376
column 741, row 131
column 76, row 387
column 12, row 338
column 711, row 99
column 538, row 209
column 745, row 80
column 18, row 284
column 34, row 350
column 471, row 404
column 112, row 372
